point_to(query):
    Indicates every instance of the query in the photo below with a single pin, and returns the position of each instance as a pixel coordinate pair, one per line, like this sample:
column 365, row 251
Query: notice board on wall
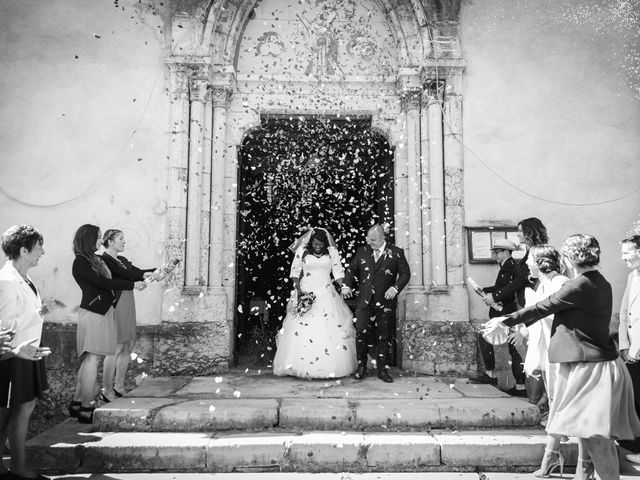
column 480, row 240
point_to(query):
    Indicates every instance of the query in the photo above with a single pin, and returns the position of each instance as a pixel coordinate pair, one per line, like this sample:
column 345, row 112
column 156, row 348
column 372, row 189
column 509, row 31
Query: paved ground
column 252, row 425
column 250, row 400
column 262, row 384
column 315, row 476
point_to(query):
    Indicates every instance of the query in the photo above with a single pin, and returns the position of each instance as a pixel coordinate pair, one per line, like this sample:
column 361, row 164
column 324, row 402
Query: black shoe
column 74, row 409
column 514, row 392
column 86, row 414
column 118, row 394
column 104, row 398
column 485, row 379
column 384, row 376
column 361, row 372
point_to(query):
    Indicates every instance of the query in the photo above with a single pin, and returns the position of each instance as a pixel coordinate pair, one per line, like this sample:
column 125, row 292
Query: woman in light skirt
column 593, row 393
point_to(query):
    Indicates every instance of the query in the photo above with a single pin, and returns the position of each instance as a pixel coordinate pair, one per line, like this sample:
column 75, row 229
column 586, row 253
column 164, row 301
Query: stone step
column 256, row 475
column 74, row 448
column 147, row 414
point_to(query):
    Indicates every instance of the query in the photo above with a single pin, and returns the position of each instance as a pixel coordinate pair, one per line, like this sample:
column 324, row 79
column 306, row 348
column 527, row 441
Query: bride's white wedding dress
column 321, row 342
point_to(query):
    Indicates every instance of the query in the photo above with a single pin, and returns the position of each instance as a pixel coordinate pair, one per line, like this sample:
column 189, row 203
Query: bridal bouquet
column 305, row 300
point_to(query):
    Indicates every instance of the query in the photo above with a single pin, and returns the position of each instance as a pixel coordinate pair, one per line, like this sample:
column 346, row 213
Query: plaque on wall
column 480, row 240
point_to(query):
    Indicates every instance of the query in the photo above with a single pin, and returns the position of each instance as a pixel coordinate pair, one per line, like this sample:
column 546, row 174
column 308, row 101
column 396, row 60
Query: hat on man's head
column 504, row 244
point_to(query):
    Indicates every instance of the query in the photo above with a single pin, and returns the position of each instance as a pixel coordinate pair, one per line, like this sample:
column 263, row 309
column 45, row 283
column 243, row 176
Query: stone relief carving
column 323, row 44
column 361, row 45
column 269, row 45
column 320, row 39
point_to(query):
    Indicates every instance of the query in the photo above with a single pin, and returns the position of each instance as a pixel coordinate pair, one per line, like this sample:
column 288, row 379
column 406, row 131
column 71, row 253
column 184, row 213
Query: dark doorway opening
column 294, row 173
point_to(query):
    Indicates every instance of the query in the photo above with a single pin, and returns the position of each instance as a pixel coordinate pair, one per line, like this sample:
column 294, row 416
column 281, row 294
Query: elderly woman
column 22, row 370
column 593, row 394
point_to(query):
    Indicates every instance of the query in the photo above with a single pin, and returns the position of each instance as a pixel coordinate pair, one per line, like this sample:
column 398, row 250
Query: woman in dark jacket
column 125, row 313
column 593, row 391
column 96, row 331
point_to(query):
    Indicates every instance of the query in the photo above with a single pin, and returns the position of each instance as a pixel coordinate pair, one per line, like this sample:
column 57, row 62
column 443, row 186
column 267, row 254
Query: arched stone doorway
column 238, row 61
column 297, row 172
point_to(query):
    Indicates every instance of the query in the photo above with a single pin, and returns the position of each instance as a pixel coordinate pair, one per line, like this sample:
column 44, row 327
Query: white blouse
column 19, row 306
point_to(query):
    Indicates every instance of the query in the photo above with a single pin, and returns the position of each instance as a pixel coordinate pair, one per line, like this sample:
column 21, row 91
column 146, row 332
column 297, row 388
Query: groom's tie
column 376, row 255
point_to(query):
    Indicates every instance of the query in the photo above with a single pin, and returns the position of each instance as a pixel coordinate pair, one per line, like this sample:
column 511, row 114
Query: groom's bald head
column 375, row 236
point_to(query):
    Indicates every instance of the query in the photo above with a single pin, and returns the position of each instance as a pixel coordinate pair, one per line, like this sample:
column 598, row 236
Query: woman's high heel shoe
column 86, row 414
column 74, row 409
column 584, row 470
column 551, row 460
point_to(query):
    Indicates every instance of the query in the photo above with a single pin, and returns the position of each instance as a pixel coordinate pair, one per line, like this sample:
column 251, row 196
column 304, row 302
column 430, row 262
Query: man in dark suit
column 381, row 271
column 503, row 292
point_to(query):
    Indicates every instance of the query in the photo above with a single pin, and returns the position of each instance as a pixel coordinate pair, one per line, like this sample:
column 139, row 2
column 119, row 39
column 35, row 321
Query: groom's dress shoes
column 384, row 376
column 360, row 373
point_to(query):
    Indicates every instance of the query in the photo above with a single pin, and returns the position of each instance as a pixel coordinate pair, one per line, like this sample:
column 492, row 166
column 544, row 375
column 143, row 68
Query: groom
column 382, row 272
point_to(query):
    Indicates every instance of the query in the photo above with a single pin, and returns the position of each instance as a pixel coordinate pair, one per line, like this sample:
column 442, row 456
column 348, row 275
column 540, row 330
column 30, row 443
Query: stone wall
column 439, row 348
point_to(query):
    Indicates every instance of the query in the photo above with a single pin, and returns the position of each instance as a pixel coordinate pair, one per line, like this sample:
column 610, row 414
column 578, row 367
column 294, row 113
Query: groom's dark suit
column 374, row 279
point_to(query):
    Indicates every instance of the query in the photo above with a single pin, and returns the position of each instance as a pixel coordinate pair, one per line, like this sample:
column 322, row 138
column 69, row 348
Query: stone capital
column 220, row 96
column 179, row 80
column 409, row 88
column 433, row 90
column 199, row 89
column 410, row 99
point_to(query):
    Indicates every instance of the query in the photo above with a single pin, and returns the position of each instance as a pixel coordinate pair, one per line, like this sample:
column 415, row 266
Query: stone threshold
column 239, row 401
column 74, row 448
column 145, row 414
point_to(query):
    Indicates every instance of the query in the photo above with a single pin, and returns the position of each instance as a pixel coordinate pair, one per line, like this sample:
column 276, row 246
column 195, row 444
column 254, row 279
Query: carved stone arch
column 247, row 130
column 386, row 130
column 226, row 21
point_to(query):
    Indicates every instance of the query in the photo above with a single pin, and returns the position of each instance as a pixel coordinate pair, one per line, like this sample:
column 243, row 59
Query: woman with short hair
column 23, row 375
column 593, row 397
column 96, row 331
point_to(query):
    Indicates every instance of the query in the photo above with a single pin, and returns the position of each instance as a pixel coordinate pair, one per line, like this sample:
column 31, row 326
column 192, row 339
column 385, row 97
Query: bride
column 319, row 342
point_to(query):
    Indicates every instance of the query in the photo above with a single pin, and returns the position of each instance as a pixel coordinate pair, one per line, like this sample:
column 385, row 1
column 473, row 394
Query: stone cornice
column 190, row 65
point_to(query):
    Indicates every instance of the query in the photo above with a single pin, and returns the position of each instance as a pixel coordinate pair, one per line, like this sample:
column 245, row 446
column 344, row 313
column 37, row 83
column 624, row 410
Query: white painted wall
column 67, row 133
column 549, row 106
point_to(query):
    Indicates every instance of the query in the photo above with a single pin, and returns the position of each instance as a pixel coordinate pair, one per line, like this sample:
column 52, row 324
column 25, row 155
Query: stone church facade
column 138, row 115
column 397, row 63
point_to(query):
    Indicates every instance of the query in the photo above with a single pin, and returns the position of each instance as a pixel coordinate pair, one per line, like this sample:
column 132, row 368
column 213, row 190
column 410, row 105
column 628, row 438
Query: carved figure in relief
column 323, row 44
column 269, row 44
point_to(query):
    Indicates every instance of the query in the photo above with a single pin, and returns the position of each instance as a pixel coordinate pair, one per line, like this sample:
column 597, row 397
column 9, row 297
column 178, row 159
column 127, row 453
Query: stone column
column 178, row 155
column 425, row 205
column 440, row 339
column 193, row 336
column 221, row 95
column 198, row 91
column 416, row 297
column 411, row 105
column 454, row 183
column 435, row 198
